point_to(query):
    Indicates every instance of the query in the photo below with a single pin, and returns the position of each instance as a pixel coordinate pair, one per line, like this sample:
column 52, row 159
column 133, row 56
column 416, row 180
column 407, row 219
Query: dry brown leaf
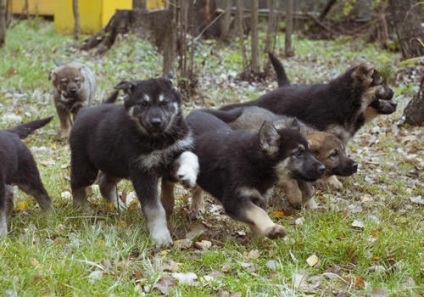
column 164, row 284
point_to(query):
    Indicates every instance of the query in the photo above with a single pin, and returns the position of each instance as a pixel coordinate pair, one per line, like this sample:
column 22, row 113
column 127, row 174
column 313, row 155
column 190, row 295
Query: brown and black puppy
column 382, row 104
column 142, row 140
column 74, row 87
column 326, row 148
column 240, row 168
column 337, row 107
column 18, row 168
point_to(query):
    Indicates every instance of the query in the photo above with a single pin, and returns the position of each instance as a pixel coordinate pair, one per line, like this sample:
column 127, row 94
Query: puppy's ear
column 169, row 77
column 126, row 86
column 52, row 75
column 269, row 138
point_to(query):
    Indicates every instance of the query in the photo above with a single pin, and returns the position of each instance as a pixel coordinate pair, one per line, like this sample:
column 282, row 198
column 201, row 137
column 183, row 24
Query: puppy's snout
column 354, row 167
column 155, row 122
column 73, row 90
column 392, row 103
column 321, row 169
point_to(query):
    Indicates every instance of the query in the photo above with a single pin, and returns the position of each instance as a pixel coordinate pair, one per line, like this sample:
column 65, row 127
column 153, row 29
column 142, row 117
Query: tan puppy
column 74, row 87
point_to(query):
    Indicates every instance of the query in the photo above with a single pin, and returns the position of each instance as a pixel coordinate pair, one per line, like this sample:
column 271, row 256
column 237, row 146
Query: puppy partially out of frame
column 74, row 87
column 326, row 148
column 240, row 168
column 339, row 106
column 142, row 140
column 18, row 168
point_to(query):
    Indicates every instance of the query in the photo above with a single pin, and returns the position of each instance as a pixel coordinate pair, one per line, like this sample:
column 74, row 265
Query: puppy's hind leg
column 83, row 174
column 197, row 201
column 107, row 185
column 3, row 209
column 29, row 181
column 167, row 196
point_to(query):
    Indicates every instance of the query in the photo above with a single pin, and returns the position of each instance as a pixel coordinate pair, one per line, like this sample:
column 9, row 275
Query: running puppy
column 141, row 140
column 18, row 168
column 240, row 168
column 74, row 87
column 382, row 104
column 325, row 147
column 337, row 107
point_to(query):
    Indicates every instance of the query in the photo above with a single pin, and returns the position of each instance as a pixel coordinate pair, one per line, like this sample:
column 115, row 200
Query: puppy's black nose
column 73, row 91
column 321, row 169
column 155, row 122
column 355, row 167
column 392, row 103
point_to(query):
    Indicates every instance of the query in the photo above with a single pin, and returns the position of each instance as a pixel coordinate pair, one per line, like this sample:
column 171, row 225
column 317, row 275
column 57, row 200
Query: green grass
column 59, row 254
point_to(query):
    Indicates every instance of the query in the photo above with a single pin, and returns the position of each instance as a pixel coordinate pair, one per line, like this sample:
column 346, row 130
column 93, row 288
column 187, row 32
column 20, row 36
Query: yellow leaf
column 53, row 145
column 312, row 260
column 278, row 214
column 163, row 252
column 359, row 282
column 101, row 242
column 34, row 262
column 110, row 206
column 23, row 206
column 122, row 224
column 375, row 258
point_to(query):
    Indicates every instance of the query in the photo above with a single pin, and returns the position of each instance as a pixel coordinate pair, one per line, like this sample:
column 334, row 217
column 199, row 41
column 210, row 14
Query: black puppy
column 381, row 96
column 18, row 167
column 141, row 140
column 240, row 168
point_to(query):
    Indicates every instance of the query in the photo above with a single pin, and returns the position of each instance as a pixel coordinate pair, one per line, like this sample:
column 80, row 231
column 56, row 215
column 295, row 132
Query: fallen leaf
column 183, row 244
column 312, row 260
column 358, row 224
column 22, row 206
column 34, row 262
column 253, row 254
column 417, row 200
column 171, row 266
column 271, row 264
column 203, row 245
column 248, row 266
column 95, row 276
column 359, row 282
column 278, row 213
column 189, row 278
column 164, row 284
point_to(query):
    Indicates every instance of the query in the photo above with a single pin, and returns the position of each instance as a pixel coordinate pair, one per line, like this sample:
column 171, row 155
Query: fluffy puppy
column 18, row 168
column 74, row 87
column 240, row 168
column 326, row 148
column 141, row 140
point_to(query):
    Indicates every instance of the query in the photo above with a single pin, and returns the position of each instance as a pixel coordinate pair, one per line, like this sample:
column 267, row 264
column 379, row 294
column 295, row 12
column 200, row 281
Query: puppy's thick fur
column 18, row 168
column 240, row 168
column 141, row 140
column 337, row 107
column 326, row 148
column 74, row 87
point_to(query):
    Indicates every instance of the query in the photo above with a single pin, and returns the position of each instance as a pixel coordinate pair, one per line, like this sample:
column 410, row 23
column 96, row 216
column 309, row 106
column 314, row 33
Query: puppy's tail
column 282, row 78
column 112, row 98
column 227, row 116
column 26, row 129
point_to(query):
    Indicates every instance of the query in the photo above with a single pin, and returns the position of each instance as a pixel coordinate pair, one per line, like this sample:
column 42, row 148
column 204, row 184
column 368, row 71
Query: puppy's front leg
column 187, row 169
column 65, row 121
column 146, row 187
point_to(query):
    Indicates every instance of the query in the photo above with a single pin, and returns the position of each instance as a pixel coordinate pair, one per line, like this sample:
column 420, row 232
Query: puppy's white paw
column 188, row 169
column 311, row 204
column 161, row 236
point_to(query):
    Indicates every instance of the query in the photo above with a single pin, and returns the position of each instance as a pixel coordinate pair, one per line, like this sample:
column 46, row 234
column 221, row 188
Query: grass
column 103, row 252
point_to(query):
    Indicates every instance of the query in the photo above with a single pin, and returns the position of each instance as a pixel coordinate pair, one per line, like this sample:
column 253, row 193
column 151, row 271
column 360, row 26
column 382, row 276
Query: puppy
column 325, row 147
column 337, row 107
column 381, row 104
column 74, row 87
column 141, row 140
column 240, row 168
column 18, row 168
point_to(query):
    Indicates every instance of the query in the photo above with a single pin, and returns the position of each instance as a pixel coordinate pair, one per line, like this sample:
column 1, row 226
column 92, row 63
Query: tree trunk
column 270, row 34
column 77, row 27
column 226, row 20
column 2, row 23
column 408, row 27
column 254, row 62
column 169, row 50
column 414, row 111
column 240, row 31
column 326, row 9
column 288, row 51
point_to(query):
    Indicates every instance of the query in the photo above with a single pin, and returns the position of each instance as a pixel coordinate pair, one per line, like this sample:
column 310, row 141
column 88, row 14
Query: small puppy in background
column 18, row 168
column 141, row 140
column 74, row 87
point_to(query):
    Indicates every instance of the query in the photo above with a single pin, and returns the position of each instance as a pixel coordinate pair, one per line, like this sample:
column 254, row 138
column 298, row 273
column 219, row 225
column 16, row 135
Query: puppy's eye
column 334, row 154
column 298, row 153
column 143, row 103
column 164, row 103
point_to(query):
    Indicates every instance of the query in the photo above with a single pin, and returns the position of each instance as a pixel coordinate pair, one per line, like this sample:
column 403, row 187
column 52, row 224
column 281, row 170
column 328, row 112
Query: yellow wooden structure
column 94, row 14
column 35, row 7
